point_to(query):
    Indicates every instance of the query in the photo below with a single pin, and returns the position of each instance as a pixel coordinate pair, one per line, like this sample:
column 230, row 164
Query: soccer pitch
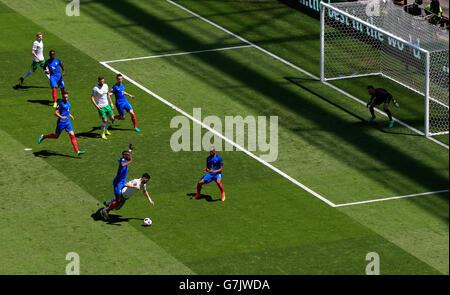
column 338, row 189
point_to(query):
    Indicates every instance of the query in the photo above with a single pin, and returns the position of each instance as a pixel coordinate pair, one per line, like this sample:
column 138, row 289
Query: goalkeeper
column 380, row 96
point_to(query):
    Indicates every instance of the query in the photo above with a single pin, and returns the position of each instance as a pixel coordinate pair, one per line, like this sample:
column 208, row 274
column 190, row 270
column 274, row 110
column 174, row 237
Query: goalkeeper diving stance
column 380, row 96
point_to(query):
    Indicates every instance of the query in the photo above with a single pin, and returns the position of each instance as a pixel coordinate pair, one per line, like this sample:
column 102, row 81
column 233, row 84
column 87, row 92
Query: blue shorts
column 122, row 107
column 63, row 126
column 57, row 81
column 118, row 186
column 211, row 176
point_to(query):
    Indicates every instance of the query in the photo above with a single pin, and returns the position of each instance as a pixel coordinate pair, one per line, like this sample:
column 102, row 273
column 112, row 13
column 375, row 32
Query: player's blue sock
column 107, row 203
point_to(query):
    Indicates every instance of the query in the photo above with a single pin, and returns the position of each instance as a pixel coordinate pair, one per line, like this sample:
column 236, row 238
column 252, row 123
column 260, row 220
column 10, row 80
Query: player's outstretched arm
column 70, row 115
column 130, row 95
column 148, row 197
column 129, row 184
column 123, row 164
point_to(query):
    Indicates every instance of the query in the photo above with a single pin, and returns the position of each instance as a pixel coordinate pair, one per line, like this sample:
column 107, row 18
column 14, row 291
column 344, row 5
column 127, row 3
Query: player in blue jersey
column 119, row 182
column 63, row 123
column 56, row 80
column 214, row 168
column 122, row 103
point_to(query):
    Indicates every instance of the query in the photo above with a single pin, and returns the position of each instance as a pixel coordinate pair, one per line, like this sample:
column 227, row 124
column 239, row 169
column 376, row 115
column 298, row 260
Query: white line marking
column 392, row 198
column 299, row 69
column 176, row 54
column 27, row 149
column 221, row 136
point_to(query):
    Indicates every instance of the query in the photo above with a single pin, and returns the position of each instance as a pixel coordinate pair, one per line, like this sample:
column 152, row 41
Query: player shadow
column 17, row 87
column 93, row 134
column 208, row 198
column 114, row 219
column 362, row 121
column 47, row 153
column 90, row 133
column 42, row 101
column 114, row 127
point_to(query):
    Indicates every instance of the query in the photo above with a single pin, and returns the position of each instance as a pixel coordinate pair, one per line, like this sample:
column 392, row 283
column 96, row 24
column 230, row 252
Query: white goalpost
column 368, row 38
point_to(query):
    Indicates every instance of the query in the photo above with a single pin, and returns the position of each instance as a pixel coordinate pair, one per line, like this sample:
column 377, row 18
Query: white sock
column 27, row 74
column 103, row 127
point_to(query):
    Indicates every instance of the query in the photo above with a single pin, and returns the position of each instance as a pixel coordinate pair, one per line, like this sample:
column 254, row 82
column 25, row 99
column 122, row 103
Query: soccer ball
column 147, row 221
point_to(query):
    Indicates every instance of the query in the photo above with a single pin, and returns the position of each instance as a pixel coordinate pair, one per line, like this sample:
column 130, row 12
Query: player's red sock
column 63, row 90
column 74, row 142
column 54, row 94
column 221, row 191
column 111, row 206
column 199, row 188
column 133, row 119
column 54, row 136
column 117, row 117
column 220, row 187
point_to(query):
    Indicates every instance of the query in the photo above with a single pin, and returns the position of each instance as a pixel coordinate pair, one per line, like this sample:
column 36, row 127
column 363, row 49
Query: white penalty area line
column 301, row 70
column 176, row 54
column 221, row 136
column 392, row 198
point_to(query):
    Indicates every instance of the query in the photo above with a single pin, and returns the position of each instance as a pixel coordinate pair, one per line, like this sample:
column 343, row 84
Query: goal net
column 367, row 38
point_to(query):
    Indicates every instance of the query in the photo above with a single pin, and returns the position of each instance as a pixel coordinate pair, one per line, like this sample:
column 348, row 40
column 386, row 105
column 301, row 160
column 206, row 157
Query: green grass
column 267, row 225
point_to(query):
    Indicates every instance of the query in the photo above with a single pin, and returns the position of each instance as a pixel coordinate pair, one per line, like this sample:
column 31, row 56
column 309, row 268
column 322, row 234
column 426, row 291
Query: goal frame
column 426, row 94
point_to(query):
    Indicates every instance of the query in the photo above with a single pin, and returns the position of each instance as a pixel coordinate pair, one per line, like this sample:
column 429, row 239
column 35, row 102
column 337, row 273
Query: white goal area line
column 176, row 54
column 301, row 70
column 392, row 198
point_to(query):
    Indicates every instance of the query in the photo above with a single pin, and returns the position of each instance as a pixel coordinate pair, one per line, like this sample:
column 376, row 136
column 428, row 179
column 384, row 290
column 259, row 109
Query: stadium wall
column 312, row 7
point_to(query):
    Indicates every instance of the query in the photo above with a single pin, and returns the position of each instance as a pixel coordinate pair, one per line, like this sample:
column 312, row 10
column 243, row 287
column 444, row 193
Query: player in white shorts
column 130, row 188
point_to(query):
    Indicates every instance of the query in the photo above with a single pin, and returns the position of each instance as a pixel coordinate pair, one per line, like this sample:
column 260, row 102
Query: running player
column 37, row 52
column 130, row 188
column 56, row 80
column 63, row 113
column 120, row 180
column 379, row 96
column 101, row 99
column 122, row 103
column 214, row 168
